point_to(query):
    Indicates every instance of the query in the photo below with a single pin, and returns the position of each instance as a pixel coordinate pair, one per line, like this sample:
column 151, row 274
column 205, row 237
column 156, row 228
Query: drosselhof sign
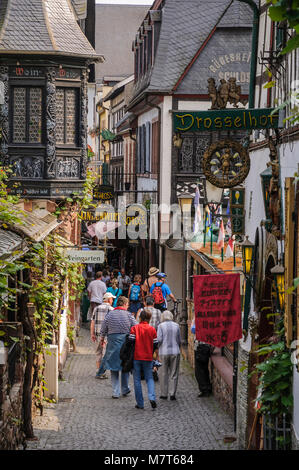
column 225, row 119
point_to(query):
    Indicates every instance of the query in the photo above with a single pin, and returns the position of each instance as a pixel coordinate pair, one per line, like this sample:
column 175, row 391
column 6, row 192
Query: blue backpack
column 135, row 292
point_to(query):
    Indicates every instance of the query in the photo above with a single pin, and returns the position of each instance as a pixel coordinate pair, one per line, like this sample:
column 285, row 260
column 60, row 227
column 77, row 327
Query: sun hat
column 153, row 271
column 108, row 295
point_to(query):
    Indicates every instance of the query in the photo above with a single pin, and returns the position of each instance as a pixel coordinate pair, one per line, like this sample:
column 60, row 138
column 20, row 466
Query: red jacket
column 145, row 337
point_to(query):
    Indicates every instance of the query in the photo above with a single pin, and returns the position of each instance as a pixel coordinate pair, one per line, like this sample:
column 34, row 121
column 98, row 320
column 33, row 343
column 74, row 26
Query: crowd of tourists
column 134, row 332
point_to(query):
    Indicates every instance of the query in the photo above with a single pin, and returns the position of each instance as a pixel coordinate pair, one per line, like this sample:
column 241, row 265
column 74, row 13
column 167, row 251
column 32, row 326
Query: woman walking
column 169, row 340
column 145, row 338
column 115, row 291
column 135, row 295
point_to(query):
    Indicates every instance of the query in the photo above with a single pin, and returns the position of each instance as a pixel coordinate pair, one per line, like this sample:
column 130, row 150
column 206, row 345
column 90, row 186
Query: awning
column 33, row 227
column 12, row 246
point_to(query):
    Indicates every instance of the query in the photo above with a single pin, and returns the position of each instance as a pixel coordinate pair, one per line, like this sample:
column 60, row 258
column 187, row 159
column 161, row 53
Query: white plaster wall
column 92, row 118
column 166, row 147
column 63, row 326
column 149, row 116
column 174, row 270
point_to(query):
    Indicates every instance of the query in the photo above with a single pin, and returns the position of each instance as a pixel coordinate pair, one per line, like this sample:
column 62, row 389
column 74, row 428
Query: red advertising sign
column 217, row 307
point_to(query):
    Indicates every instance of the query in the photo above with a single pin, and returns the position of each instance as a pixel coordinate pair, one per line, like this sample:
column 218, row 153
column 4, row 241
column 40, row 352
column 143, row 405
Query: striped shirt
column 117, row 321
column 169, row 338
column 98, row 316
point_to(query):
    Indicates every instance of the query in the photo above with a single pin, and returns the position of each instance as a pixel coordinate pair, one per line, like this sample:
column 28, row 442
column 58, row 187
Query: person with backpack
column 134, row 295
column 151, row 279
column 159, row 292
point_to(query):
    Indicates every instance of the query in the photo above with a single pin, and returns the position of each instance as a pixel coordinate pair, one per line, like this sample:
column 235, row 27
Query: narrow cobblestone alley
column 87, row 418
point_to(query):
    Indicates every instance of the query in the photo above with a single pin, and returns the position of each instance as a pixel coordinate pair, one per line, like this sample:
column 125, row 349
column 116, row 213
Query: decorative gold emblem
column 226, row 164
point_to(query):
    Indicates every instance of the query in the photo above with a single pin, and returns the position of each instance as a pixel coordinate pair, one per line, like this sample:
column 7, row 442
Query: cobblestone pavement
column 86, row 417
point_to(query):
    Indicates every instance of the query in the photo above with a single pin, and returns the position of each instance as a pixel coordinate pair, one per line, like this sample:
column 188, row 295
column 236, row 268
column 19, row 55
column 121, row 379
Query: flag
column 197, row 218
column 229, row 223
column 91, row 230
column 221, row 235
column 230, row 248
column 102, row 228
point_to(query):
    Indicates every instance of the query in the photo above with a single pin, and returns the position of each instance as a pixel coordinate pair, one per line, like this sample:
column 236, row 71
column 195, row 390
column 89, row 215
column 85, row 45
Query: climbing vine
column 275, row 395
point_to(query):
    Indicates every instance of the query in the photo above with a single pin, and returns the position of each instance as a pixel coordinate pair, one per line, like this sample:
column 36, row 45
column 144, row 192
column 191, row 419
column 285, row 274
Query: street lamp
column 185, row 201
column 278, row 272
column 247, row 255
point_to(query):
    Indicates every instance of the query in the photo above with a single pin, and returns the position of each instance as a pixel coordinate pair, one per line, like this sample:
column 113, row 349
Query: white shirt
column 97, row 289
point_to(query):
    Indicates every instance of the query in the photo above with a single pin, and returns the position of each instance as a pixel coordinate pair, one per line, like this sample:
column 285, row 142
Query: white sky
column 126, row 2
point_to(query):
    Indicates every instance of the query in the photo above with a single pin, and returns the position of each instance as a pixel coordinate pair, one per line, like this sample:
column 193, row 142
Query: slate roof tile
column 183, row 31
column 47, row 26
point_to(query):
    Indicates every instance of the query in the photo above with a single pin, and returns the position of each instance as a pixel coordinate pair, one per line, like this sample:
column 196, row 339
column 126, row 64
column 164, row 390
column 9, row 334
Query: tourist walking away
column 85, row 304
column 106, row 277
column 151, row 279
column 202, row 354
column 116, row 325
column 169, row 340
column 135, row 295
column 155, row 313
column 97, row 319
column 115, row 290
column 124, row 282
column 160, row 291
column 145, row 338
column 96, row 289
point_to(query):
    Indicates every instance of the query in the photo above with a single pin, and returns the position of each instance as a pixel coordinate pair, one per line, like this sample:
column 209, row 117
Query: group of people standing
column 141, row 319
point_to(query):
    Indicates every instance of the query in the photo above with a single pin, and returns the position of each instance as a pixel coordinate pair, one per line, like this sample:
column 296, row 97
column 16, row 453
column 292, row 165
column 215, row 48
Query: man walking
column 124, row 282
column 116, row 325
column 160, row 291
column 202, row 354
column 145, row 338
column 155, row 313
column 97, row 319
column 169, row 340
column 96, row 289
column 152, row 278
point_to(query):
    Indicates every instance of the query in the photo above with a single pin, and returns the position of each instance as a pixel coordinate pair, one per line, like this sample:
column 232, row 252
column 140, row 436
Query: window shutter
column 289, row 256
column 148, row 147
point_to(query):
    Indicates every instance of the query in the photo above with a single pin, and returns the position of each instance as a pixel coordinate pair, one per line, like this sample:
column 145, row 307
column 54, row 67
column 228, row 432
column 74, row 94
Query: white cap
column 108, row 295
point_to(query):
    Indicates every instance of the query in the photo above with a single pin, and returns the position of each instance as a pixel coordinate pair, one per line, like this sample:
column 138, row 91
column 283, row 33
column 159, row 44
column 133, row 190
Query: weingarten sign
column 225, row 119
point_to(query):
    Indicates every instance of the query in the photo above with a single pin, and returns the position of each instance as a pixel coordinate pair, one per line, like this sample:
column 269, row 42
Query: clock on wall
column 226, row 164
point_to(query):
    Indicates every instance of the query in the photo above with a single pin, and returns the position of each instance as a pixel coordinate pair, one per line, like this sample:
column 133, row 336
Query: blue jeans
column 115, row 382
column 147, row 367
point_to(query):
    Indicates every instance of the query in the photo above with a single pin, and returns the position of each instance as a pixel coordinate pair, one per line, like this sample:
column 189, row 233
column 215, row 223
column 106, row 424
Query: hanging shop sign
column 85, row 256
column 237, row 211
column 103, row 193
column 226, row 164
column 136, row 217
column 217, row 307
column 225, row 119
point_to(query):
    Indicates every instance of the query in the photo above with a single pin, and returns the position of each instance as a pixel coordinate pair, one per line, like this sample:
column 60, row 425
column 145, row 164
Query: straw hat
column 153, row 271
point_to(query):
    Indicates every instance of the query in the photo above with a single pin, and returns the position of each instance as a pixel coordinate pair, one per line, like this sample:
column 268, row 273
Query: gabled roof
column 42, row 27
column 184, row 32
